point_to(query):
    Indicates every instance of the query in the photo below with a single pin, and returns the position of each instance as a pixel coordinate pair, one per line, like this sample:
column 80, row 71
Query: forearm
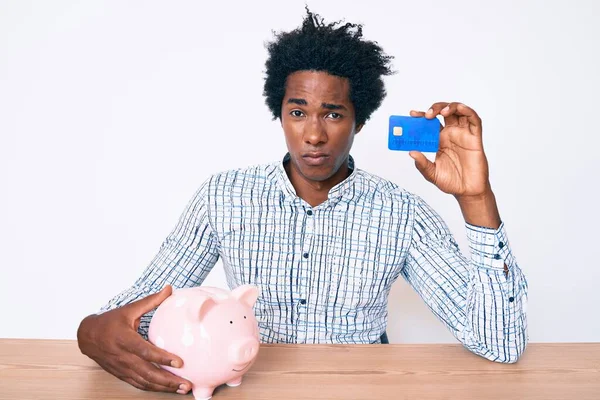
column 482, row 300
column 480, row 210
column 498, row 323
column 184, row 259
column 496, row 296
column 169, row 267
column 482, row 308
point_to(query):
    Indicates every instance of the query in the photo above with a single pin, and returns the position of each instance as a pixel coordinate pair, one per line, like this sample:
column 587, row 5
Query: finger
column 147, row 375
column 435, row 109
column 472, row 118
column 462, row 138
column 111, row 368
column 120, row 370
column 158, row 377
column 425, row 167
column 151, row 353
column 449, row 114
column 465, row 117
column 414, row 113
column 132, row 382
column 131, row 371
column 148, row 303
column 150, row 386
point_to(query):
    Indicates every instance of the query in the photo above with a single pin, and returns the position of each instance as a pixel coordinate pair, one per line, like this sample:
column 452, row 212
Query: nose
column 314, row 132
column 243, row 351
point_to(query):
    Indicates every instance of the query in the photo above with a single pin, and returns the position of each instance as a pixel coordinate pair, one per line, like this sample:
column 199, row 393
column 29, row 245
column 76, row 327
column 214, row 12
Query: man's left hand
column 460, row 167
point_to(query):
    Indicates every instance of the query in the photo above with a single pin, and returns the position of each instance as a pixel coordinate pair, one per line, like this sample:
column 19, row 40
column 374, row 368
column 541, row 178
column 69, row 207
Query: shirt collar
column 336, row 192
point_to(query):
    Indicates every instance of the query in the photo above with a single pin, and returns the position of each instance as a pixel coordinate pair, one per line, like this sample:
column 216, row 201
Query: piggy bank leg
column 235, row 382
column 202, row 393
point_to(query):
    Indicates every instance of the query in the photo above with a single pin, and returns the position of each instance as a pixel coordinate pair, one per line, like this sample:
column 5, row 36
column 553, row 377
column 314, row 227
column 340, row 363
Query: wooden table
column 48, row 369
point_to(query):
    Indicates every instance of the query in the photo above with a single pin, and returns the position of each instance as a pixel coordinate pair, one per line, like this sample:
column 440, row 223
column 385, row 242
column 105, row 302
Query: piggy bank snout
column 243, row 351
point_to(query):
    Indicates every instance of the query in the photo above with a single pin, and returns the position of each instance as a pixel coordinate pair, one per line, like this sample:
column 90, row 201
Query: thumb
column 425, row 167
column 148, row 303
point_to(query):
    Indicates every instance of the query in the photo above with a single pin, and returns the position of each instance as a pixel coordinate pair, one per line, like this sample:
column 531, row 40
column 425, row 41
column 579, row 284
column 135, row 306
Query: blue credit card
column 414, row 133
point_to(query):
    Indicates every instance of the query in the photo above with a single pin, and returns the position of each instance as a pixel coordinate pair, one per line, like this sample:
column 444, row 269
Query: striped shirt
column 324, row 273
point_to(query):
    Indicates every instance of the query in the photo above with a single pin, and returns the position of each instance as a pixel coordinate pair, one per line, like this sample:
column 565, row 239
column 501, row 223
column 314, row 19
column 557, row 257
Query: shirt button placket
column 304, row 271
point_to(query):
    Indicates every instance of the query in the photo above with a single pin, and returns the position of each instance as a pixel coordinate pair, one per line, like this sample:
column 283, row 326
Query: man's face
column 318, row 120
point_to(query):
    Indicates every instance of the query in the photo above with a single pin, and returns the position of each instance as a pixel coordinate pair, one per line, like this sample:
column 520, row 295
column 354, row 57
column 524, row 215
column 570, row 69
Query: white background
column 113, row 112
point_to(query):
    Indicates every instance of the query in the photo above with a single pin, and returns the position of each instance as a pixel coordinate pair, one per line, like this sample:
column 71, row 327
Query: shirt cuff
column 489, row 247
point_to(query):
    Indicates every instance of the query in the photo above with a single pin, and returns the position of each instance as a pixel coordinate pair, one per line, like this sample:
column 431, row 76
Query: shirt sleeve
column 184, row 259
column 483, row 306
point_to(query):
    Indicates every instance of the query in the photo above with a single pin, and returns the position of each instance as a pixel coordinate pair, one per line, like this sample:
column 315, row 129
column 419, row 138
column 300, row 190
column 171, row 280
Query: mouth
column 315, row 158
column 240, row 370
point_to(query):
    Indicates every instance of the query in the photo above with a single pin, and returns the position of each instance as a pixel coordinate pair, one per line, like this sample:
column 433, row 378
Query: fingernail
column 183, row 389
column 175, row 364
column 446, row 109
column 430, row 111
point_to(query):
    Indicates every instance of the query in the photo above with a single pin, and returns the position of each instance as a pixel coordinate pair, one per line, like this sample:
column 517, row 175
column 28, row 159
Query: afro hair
column 333, row 48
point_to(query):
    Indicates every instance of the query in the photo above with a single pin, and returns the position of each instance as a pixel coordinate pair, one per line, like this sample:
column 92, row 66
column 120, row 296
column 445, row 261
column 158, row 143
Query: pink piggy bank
column 213, row 330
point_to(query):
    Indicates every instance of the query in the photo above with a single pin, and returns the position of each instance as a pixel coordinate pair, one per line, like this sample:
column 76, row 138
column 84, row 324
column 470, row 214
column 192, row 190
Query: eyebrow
column 333, row 106
column 300, row 102
column 329, row 106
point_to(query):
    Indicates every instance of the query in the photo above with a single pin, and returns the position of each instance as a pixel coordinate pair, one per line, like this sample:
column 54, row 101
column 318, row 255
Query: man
column 323, row 240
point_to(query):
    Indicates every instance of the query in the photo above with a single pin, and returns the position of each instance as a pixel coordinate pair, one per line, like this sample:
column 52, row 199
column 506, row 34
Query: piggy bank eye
column 244, row 317
column 231, row 322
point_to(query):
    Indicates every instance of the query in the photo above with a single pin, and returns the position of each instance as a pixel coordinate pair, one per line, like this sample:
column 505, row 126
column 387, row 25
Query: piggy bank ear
column 247, row 294
column 199, row 310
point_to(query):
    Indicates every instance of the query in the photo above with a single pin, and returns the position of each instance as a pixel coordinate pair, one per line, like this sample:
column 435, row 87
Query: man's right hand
column 112, row 340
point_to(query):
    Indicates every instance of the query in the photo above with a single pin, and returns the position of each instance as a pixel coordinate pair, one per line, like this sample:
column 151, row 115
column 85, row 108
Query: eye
column 335, row 115
column 231, row 322
column 244, row 317
column 297, row 113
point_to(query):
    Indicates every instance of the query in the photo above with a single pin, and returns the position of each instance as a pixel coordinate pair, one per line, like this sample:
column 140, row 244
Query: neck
column 315, row 192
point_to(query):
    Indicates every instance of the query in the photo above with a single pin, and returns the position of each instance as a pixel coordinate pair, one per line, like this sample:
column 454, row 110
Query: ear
column 199, row 309
column 358, row 128
column 247, row 294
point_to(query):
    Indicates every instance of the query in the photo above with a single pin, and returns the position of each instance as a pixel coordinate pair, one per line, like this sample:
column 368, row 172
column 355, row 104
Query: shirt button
column 303, row 301
column 501, row 244
column 511, row 299
column 305, row 255
column 309, row 212
column 497, row 257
